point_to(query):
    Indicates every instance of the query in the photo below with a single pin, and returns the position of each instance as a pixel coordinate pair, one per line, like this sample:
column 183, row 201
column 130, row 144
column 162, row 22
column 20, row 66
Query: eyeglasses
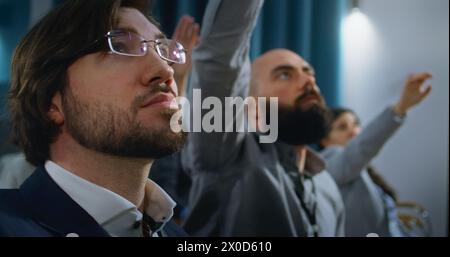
column 127, row 43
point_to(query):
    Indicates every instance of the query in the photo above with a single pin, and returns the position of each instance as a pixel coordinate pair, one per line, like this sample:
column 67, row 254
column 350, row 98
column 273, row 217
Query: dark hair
column 334, row 113
column 337, row 112
column 40, row 63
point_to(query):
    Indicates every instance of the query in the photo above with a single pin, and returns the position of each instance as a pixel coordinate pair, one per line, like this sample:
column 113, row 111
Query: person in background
column 241, row 187
column 348, row 150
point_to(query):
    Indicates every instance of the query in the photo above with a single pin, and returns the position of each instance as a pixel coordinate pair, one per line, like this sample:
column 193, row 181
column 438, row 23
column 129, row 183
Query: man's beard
column 110, row 130
column 303, row 127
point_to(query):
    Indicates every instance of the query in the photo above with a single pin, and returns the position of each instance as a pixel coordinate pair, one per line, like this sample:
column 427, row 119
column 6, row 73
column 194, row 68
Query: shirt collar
column 114, row 213
column 288, row 156
column 314, row 163
column 158, row 204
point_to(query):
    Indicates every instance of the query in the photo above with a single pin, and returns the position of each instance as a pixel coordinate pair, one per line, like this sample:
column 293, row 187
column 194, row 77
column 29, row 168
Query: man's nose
column 308, row 83
column 310, row 86
column 164, row 71
column 311, row 79
column 159, row 70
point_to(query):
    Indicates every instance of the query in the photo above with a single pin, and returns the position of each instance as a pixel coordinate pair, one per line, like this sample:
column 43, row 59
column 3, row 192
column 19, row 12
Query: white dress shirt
column 115, row 214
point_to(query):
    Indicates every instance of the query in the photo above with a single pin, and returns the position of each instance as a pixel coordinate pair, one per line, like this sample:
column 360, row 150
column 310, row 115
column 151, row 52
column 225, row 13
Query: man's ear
column 55, row 112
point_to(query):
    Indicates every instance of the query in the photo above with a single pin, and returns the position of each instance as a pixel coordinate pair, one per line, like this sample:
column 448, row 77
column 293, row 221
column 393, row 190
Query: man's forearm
column 221, row 68
column 221, row 60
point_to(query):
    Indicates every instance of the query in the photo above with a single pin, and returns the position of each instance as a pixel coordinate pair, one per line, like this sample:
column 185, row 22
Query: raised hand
column 413, row 93
column 187, row 33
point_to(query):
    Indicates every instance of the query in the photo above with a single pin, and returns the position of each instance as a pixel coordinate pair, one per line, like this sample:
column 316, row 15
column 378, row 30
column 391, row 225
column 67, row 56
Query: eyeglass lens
column 129, row 43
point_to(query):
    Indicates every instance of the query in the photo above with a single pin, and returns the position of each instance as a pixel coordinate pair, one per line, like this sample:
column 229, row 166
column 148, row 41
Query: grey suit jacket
column 364, row 206
column 239, row 186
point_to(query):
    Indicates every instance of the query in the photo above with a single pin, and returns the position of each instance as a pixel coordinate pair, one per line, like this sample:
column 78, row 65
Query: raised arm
column 221, row 68
column 221, row 60
column 187, row 33
column 346, row 163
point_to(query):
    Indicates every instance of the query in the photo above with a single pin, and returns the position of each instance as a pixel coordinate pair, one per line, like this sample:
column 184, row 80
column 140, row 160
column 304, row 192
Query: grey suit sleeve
column 346, row 163
column 340, row 227
column 14, row 170
column 221, row 68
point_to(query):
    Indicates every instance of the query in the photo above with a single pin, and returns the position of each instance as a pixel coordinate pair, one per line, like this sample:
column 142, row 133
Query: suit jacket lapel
column 51, row 207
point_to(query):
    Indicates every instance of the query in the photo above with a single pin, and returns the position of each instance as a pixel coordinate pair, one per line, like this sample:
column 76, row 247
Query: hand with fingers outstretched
column 187, row 33
column 413, row 92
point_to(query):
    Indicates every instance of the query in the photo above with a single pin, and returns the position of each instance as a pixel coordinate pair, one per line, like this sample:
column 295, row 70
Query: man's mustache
column 155, row 89
column 308, row 93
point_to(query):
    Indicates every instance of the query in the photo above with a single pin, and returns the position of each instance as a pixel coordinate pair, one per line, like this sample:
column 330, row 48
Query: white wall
column 401, row 37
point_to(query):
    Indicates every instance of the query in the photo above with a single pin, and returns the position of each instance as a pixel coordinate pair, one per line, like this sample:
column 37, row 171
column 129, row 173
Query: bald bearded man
column 241, row 187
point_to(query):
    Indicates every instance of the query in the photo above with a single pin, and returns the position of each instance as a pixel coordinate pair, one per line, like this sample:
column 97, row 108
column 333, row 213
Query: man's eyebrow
column 284, row 67
column 129, row 29
column 159, row 35
column 309, row 69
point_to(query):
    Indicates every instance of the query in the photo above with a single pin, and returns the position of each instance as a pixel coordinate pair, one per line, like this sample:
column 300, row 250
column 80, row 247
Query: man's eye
column 284, row 76
column 120, row 47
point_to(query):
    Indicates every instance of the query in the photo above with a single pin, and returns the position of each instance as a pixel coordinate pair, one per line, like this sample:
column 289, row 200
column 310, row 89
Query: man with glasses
column 91, row 97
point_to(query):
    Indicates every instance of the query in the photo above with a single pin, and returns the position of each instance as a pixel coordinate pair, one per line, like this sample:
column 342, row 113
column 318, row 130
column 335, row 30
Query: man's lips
column 161, row 100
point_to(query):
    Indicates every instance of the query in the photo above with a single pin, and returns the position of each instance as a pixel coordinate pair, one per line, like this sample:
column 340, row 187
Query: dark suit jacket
column 40, row 208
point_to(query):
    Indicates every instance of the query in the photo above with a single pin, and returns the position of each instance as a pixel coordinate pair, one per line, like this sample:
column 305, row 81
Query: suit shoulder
column 9, row 197
column 331, row 151
column 326, row 184
column 11, row 204
column 14, row 218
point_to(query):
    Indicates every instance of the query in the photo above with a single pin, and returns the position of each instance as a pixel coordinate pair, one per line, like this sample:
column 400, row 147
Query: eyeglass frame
column 146, row 42
column 111, row 49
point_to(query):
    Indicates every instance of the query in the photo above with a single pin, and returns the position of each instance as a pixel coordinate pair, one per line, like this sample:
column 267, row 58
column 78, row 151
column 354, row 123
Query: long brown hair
column 40, row 63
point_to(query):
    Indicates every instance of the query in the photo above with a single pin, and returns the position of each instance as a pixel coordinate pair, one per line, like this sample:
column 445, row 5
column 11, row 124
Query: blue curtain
column 14, row 19
column 309, row 27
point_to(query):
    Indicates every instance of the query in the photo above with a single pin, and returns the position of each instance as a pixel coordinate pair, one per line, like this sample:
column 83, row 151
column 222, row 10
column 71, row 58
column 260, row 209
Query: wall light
column 358, row 31
column 361, row 48
column 354, row 4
